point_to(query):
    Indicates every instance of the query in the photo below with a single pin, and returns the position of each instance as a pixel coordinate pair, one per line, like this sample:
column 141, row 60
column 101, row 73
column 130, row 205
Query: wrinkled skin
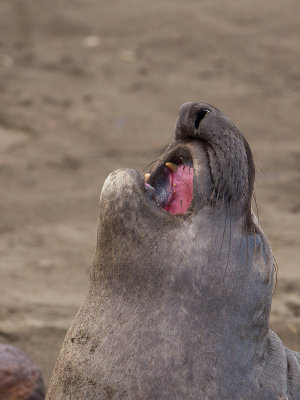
column 178, row 305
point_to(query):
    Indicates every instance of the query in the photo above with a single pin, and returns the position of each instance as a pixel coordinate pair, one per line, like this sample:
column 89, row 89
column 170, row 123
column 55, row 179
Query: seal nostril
column 199, row 116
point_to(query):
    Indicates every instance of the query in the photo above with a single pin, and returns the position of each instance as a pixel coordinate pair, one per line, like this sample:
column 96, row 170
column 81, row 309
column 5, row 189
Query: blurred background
column 88, row 86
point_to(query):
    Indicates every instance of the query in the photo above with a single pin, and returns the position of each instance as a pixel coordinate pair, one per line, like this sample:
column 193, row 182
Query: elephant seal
column 20, row 379
column 181, row 283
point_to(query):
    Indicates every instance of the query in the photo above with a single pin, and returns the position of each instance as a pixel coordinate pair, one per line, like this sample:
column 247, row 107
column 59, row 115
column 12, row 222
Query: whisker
column 275, row 274
column 156, row 156
column 223, row 235
column 256, row 206
column 228, row 254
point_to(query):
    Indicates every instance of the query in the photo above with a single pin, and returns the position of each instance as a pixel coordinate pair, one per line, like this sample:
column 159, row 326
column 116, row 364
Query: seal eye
column 173, row 186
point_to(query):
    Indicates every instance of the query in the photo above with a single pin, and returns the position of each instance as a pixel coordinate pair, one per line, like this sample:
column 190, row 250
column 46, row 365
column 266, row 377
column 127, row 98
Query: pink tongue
column 181, row 190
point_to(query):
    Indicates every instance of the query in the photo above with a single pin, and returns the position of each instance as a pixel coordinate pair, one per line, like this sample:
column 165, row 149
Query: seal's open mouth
column 173, row 185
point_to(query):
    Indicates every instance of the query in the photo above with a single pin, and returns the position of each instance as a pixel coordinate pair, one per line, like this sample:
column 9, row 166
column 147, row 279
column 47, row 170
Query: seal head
column 181, row 283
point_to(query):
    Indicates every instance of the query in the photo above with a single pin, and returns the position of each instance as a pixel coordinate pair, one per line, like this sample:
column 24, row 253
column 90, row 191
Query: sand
column 90, row 86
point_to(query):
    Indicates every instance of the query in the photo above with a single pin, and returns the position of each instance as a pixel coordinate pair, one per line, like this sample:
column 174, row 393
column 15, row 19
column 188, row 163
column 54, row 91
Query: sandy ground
column 90, row 86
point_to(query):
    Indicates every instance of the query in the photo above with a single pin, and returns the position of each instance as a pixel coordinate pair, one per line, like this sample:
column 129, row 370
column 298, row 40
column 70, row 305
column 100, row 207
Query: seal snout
column 189, row 118
column 229, row 156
